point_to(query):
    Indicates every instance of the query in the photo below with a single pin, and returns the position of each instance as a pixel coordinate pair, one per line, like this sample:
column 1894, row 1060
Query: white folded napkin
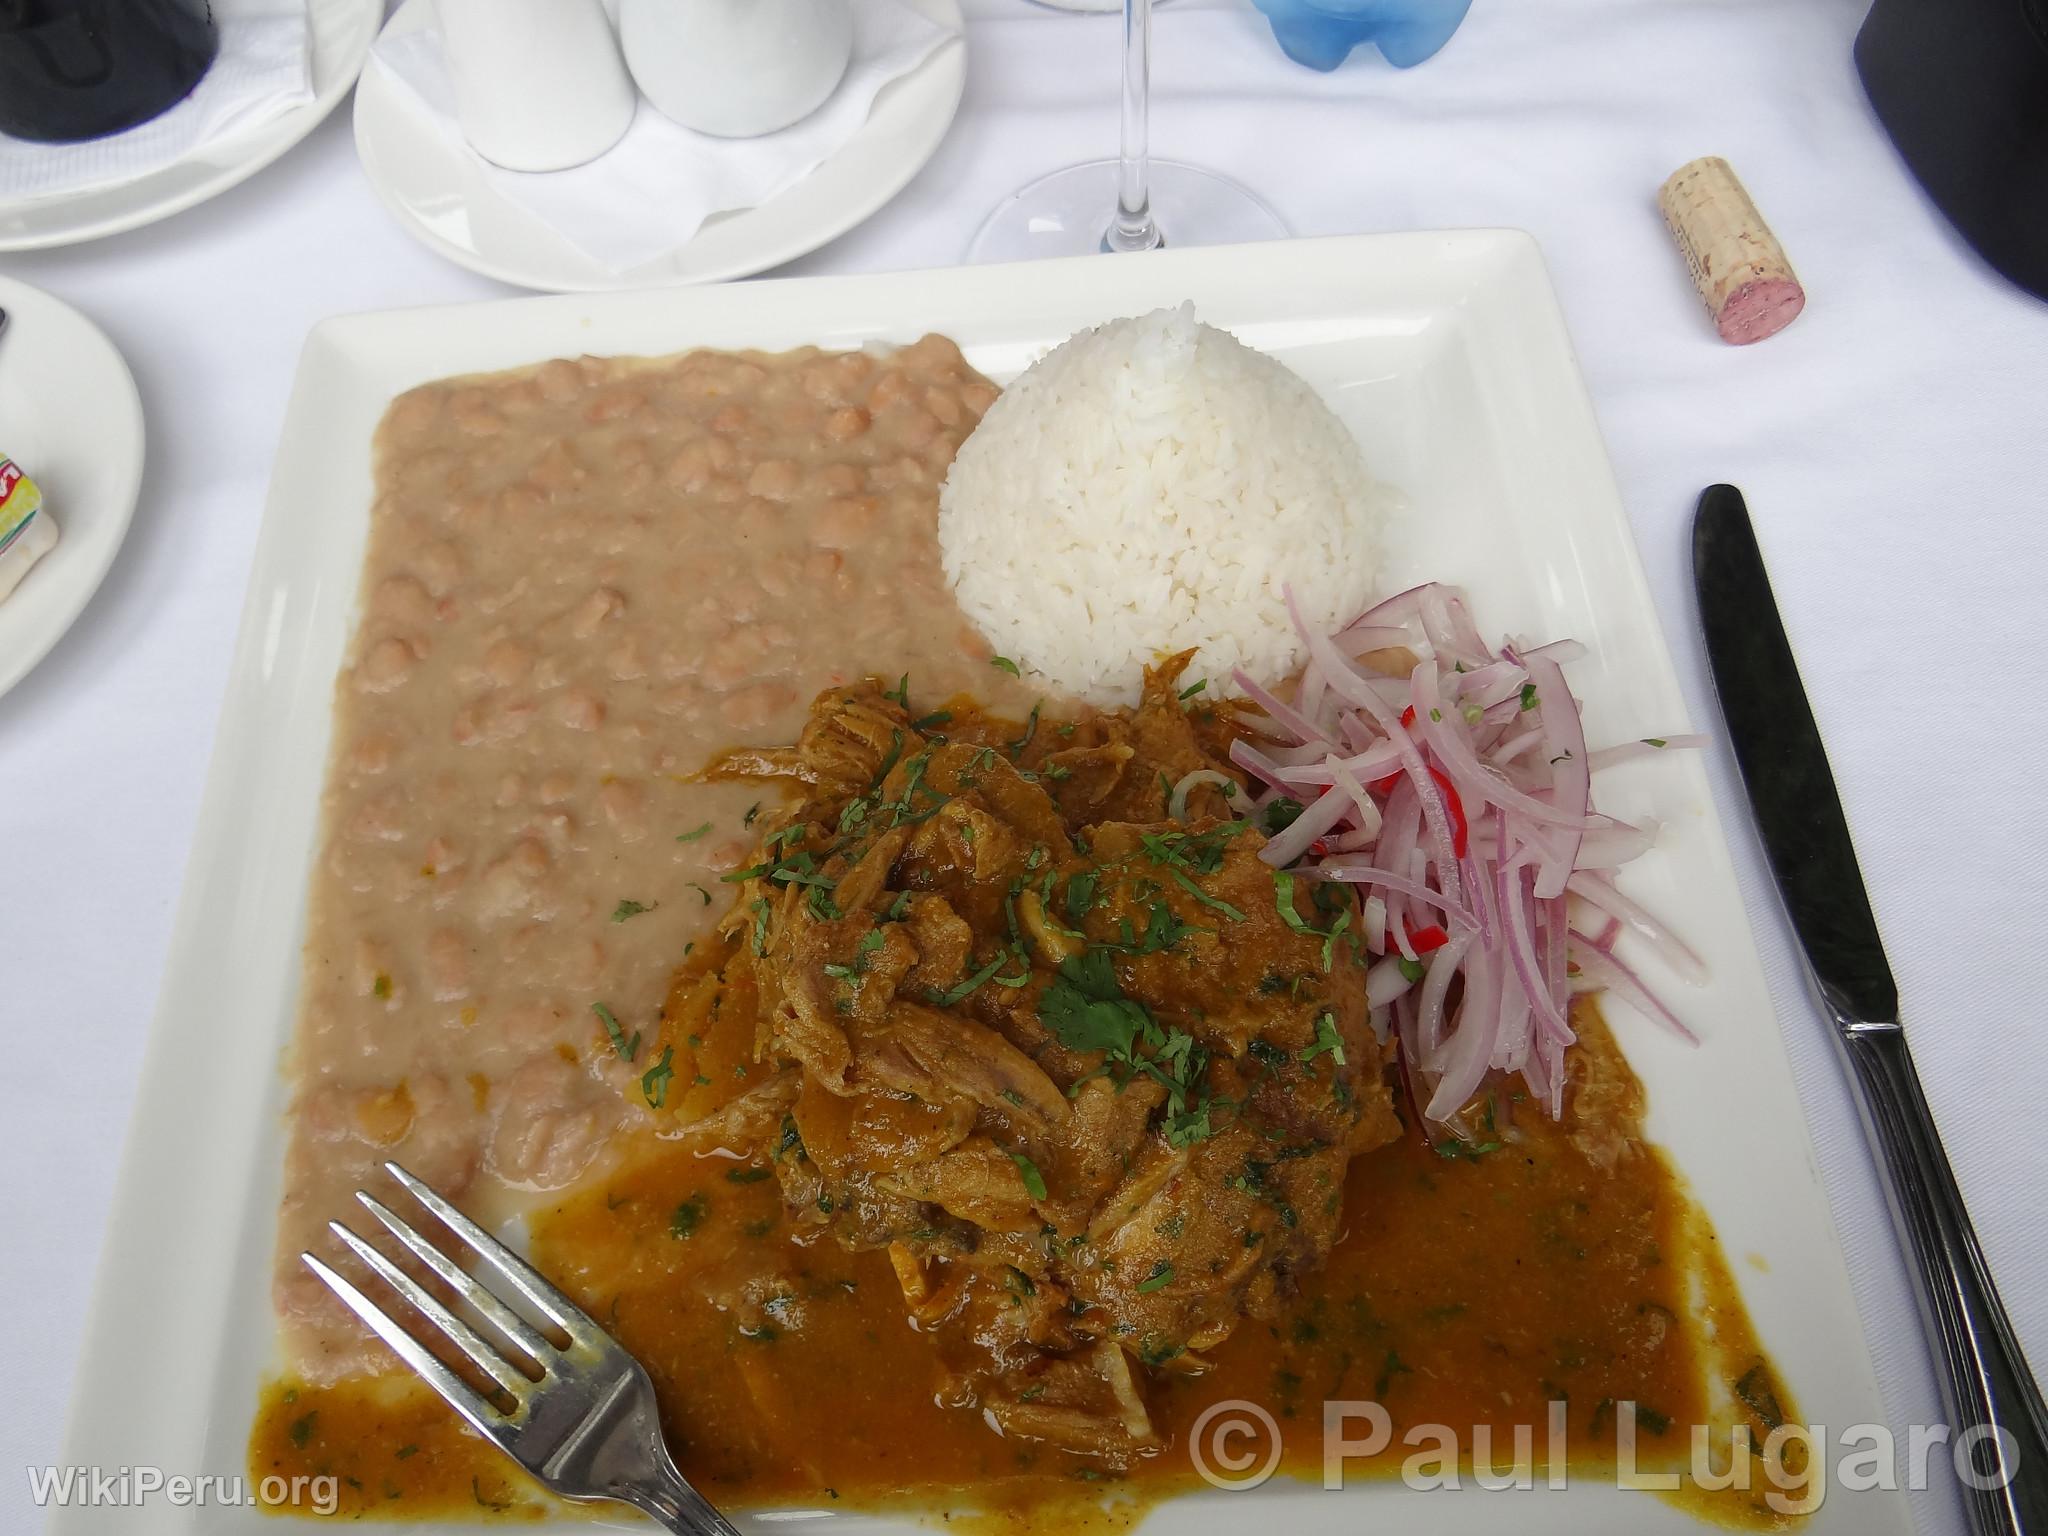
column 263, row 71
column 653, row 190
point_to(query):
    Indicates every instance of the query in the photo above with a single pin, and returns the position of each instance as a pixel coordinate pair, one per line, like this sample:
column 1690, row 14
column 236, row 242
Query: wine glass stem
column 1132, row 229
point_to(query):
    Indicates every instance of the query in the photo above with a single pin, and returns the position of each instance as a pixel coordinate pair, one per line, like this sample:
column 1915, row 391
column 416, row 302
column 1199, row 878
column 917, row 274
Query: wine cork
column 1736, row 262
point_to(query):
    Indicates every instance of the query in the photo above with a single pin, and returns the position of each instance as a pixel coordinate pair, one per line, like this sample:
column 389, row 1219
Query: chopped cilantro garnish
column 1085, row 1009
column 626, row 909
column 972, row 984
column 1194, row 688
column 701, row 892
column 1161, row 1276
column 655, row 1080
column 1327, row 1040
column 1655, row 741
column 1280, row 813
column 1412, row 969
column 691, row 837
column 1181, row 878
column 745, row 1175
column 1528, row 696
column 1004, row 664
column 1394, row 1366
column 753, row 812
column 627, row 1049
column 1017, row 747
column 688, row 1217
column 1034, row 1181
column 1080, row 896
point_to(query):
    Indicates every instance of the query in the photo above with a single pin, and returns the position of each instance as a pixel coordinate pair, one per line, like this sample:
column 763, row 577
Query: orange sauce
column 1470, row 1291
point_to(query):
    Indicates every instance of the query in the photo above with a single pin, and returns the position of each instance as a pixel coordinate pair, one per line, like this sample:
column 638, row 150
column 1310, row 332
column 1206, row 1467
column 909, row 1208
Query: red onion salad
column 1457, row 803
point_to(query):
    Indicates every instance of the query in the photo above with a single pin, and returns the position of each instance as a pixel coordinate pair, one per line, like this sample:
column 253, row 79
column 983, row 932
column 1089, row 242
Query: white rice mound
column 1150, row 486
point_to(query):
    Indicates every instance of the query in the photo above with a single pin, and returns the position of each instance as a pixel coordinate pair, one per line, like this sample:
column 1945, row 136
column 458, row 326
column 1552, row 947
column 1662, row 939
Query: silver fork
column 586, row 1428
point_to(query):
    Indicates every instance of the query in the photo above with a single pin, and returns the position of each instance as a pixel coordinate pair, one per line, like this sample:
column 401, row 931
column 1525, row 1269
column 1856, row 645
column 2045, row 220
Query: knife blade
column 1785, row 767
column 1985, row 1382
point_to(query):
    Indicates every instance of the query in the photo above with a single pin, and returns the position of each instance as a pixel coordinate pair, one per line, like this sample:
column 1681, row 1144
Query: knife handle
column 1985, row 1380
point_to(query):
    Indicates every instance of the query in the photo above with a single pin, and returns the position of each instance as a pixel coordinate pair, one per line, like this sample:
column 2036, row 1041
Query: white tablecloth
column 1894, row 445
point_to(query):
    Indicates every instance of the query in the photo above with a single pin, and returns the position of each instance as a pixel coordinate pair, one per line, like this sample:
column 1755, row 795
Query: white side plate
column 440, row 194
column 342, row 33
column 70, row 417
column 1445, row 353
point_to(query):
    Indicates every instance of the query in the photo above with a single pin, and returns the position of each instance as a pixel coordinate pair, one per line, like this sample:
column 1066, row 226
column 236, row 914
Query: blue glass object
column 1322, row 33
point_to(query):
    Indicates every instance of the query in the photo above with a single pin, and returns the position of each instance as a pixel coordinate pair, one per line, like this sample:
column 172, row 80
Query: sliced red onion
column 1563, row 652
column 1466, row 769
column 1396, row 611
column 1449, row 626
column 1436, row 990
column 1514, row 747
column 1345, row 867
column 1601, row 893
column 1316, row 818
column 1348, row 683
column 1649, row 746
column 1470, row 1047
column 1516, row 896
column 1177, row 802
column 1615, row 844
column 1366, row 752
column 1598, row 966
column 1361, row 638
column 1368, row 820
column 1259, row 766
column 1281, row 713
column 1384, row 982
column 1571, row 778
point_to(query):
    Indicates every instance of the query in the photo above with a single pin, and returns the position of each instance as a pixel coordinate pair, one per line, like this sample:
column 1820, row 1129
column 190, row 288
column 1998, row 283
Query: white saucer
column 70, row 417
column 342, row 33
column 439, row 193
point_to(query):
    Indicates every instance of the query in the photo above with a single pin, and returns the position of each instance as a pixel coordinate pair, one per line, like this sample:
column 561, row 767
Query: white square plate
column 1446, row 354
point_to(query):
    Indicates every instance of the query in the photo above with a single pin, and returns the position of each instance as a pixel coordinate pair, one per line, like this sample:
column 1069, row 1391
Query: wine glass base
column 1068, row 212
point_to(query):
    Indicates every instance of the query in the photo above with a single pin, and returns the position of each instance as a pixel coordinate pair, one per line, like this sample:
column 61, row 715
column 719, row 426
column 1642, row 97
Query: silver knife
column 1985, row 1380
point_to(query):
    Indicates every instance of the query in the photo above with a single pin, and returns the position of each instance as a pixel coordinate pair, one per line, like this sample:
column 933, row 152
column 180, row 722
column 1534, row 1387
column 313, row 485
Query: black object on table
column 1962, row 88
column 81, row 69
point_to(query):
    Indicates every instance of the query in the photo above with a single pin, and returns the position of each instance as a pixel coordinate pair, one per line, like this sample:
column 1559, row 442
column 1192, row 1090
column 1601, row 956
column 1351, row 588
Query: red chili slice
column 1386, row 785
column 1423, row 940
column 1461, row 836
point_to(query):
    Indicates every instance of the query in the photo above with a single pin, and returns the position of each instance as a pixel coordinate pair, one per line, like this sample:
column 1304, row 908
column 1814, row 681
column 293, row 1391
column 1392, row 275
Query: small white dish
column 441, row 193
column 1447, row 355
column 70, row 417
column 342, row 33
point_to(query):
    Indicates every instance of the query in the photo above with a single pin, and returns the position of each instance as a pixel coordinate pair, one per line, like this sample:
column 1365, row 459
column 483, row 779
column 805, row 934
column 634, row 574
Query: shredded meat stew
column 1087, row 1074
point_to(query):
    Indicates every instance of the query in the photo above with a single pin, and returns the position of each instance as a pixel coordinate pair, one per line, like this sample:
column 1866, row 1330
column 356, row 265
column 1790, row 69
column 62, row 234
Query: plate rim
column 115, row 392
column 380, row 96
column 897, row 301
column 257, row 149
